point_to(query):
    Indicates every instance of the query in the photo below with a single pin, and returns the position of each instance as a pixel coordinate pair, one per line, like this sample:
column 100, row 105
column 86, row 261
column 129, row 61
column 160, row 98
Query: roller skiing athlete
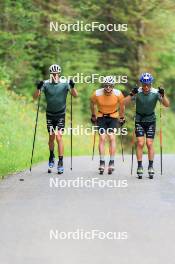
column 146, row 98
column 55, row 91
column 108, row 101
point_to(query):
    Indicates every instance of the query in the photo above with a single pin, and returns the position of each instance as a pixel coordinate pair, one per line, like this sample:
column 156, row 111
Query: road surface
column 141, row 213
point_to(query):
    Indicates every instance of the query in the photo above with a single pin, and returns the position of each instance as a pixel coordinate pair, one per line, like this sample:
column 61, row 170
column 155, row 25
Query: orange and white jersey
column 107, row 104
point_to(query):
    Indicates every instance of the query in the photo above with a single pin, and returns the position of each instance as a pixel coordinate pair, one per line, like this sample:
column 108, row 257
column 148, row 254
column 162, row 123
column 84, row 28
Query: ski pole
column 161, row 145
column 93, row 151
column 121, row 141
column 132, row 158
column 71, row 128
column 36, row 123
column 133, row 143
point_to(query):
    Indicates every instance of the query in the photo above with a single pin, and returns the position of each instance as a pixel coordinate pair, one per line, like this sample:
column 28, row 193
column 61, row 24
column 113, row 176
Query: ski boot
column 111, row 167
column 151, row 172
column 140, row 172
column 102, row 166
column 51, row 164
column 60, row 168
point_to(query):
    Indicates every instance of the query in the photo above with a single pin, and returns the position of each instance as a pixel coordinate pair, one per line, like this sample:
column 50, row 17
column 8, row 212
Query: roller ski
column 60, row 167
column 151, row 172
column 102, row 166
column 140, row 172
column 111, row 167
column 51, row 164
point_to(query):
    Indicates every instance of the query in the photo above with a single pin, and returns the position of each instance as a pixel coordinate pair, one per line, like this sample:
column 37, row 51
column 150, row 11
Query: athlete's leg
column 51, row 149
column 50, row 129
column 112, row 144
column 59, row 139
column 112, row 126
column 139, row 152
column 112, row 150
column 101, row 123
column 140, row 146
column 140, row 134
column 51, row 133
column 101, row 146
column 150, row 146
column 59, row 125
column 150, row 133
column 51, row 141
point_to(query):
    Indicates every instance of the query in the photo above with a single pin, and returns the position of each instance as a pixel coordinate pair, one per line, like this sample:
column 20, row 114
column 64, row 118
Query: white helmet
column 109, row 80
column 55, row 68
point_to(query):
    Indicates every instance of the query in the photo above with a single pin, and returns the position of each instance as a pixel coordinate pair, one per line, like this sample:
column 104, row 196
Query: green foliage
column 28, row 48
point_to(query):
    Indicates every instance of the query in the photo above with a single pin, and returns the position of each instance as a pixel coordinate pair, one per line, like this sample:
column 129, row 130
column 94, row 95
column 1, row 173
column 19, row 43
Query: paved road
column 143, row 212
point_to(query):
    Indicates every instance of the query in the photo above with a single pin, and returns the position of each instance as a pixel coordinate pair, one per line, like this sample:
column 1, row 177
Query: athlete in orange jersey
column 109, row 103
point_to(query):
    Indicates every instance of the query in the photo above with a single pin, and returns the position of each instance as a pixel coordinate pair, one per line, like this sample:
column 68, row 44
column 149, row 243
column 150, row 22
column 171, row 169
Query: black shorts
column 148, row 128
column 107, row 124
column 55, row 123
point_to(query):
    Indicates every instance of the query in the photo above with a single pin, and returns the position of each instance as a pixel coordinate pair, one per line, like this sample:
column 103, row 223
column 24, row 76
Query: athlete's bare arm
column 165, row 101
column 93, row 108
column 36, row 94
column 127, row 100
column 74, row 92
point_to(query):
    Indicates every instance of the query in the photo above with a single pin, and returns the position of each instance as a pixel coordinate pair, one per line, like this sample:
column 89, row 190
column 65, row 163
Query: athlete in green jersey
column 55, row 91
column 146, row 98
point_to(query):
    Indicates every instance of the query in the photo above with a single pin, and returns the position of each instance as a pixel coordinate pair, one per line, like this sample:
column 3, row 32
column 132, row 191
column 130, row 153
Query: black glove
column 134, row 91
column 122, row 121
column 93, row 119
column 39, row 85
column 161, row 91
column 72, row 84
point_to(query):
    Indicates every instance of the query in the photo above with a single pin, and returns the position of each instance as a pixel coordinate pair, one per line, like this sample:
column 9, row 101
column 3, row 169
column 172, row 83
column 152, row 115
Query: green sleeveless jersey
column 146, row 104
column 56, row 94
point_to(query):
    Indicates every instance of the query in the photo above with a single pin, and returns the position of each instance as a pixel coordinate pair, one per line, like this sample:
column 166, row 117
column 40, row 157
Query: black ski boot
column 151, row 172
column 140, row 172
column 102, row 166
column 111, row 167
column 60, row 167
column 51, row 164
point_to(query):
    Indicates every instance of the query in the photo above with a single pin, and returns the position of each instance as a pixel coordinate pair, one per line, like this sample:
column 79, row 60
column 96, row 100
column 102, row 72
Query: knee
column 59, row 137
column 51, row 138
column 111, row 139
column 140, row 144
column 149, row 144
column 102, row 140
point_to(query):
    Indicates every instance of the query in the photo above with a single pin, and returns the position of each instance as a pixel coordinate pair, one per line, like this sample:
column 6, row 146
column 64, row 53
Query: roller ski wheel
column 111, row 167
column 51, row 164
column 110, row 171
column 60, row 167
column 151, row 172
column 101, row 167
column 140, row 172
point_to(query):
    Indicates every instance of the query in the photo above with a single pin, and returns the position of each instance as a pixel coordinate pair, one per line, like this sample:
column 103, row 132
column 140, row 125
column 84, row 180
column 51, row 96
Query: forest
column 36, row 34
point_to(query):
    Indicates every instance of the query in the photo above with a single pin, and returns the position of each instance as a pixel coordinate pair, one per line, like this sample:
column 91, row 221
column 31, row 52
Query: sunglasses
column 108, row 85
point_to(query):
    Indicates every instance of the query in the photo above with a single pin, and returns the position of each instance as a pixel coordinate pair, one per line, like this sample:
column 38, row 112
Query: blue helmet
column 146, row 78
